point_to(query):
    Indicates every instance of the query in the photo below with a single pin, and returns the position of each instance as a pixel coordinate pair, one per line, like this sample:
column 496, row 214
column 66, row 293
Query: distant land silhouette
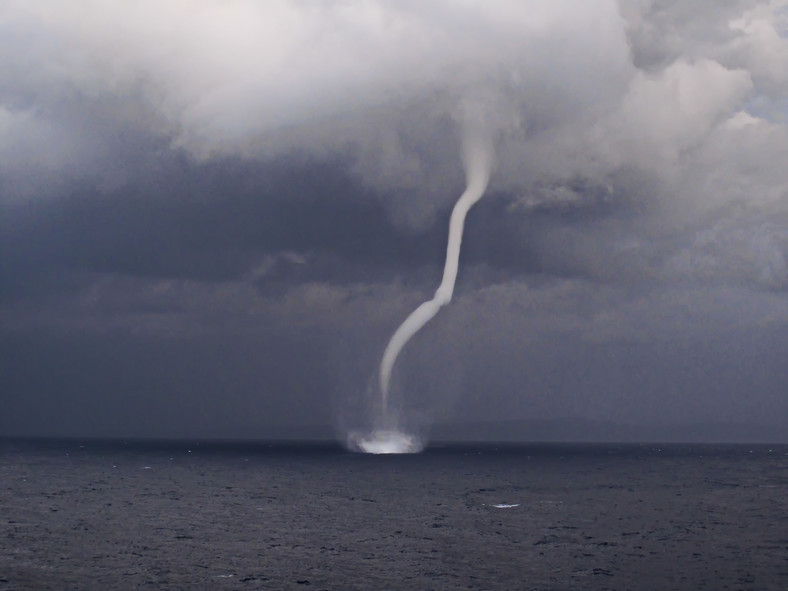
column 557, row 430
column 582, row 430
column 560, row 430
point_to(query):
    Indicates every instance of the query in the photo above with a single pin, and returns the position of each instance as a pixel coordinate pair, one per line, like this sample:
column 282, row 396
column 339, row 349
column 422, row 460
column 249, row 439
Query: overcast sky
column 213, row 214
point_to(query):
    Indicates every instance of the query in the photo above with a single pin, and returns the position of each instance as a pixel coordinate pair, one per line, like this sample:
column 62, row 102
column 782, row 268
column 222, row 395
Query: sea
column 168, row 515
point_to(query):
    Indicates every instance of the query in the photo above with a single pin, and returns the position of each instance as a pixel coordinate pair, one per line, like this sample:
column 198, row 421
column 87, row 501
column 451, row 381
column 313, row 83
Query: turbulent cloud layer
column 184, row 169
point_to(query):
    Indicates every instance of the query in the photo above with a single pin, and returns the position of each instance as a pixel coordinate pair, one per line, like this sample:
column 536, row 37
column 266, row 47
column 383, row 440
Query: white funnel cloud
column 477, row 153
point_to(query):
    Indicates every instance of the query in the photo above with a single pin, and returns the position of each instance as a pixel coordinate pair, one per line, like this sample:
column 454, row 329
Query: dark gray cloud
column 230, row 206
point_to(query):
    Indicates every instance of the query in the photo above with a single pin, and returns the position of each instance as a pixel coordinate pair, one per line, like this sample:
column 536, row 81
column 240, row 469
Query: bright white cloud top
column 690, row 93
column 585, row 88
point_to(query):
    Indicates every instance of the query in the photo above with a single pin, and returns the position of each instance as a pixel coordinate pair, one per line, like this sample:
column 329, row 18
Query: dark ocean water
column 156, row 515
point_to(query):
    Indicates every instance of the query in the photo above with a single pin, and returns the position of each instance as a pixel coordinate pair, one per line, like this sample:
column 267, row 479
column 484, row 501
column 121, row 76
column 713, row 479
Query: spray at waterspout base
column 385, row 441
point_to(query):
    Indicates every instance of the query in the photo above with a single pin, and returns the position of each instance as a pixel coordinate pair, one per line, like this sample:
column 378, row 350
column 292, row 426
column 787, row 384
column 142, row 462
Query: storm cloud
column 215, row 213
